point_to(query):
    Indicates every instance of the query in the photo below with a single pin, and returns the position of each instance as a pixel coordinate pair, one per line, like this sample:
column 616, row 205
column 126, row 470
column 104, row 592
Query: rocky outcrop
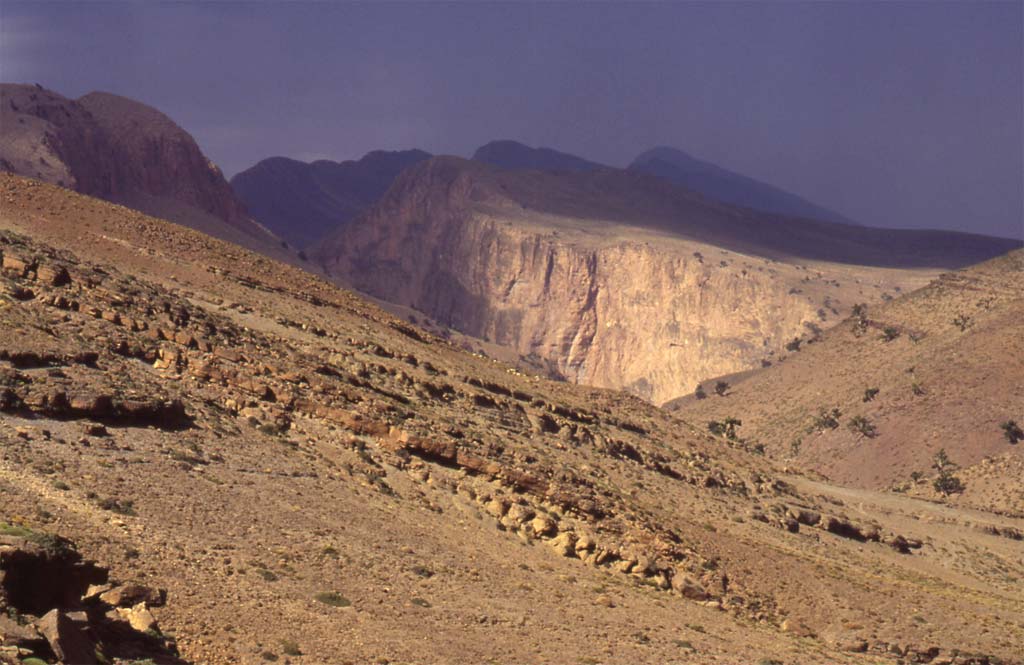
column 58, row 607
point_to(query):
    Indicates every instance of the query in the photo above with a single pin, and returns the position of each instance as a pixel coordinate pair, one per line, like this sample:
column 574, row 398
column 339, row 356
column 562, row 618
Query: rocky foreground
column 57, row 607
column 312, row 479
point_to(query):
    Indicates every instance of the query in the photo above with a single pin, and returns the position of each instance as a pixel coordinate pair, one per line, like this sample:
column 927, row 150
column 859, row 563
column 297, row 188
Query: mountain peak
column 513, row 155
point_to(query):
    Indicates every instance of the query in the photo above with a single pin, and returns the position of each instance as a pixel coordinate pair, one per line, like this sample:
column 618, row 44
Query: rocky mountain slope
column 122, row 151
column 940, row 368
column 312, row 479
column 513, row 155
column 727, row 186
column 302, row 202
column 619, row 279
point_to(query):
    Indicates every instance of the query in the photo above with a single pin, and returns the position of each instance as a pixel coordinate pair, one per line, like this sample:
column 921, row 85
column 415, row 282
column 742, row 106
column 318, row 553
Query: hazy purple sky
column 893, row 114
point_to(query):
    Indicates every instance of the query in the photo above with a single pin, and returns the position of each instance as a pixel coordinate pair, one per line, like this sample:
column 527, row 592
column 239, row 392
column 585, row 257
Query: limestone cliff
column 610, row 304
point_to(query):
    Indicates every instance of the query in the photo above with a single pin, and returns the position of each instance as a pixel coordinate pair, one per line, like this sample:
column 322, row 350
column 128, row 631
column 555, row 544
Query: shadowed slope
column 303, row 202
column 728, row 187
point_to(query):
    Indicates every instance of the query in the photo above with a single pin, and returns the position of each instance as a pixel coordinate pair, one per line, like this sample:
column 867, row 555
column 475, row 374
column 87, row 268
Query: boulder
column 139, row 617
column 15, row 266
column 53, row 275
column 688, row 587
column 13, row 633
column 544, row 526
column 804, row 516
column 796, row 627
column 564, row 544
column 67, row 640
column 128, row 595
column 517, row 515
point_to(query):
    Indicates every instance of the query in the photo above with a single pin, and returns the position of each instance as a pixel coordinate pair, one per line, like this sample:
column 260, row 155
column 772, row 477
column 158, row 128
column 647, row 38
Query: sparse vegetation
column 290, row 648
column 946, row 482
column 870, row 394
column 115, row 505
column 917, row 388
column 726, row 428
column 1012, row 431
column 826, row 419
column 889, row 333
column 267, row 575
column 721, row 388
column 699, row 392
column 859, row 313
column 47, row 541
column 794, row 344
column 962, row 321
column 794, row 447
column 862, row 426
column 333, row 598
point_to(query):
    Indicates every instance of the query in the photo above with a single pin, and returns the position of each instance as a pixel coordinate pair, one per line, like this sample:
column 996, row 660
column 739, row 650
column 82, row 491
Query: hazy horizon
column 901, row 115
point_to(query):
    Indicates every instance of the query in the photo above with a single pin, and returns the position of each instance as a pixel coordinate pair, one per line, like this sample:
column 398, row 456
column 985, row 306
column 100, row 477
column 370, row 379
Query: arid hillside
column 872, row 403
column 313, row 480
column 619, row 279
column 125, row 152
column 303, row 202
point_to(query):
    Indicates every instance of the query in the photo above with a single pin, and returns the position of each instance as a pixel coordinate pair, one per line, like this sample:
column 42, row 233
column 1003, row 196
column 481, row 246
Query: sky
column 894, row 114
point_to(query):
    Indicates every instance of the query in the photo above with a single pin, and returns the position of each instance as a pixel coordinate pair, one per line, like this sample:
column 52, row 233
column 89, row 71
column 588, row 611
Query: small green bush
column 946, row 482
column 962, row 321
column 862, row 426
column 119, row 506
column 889, row 333
column 826, row 419
column 1012, row 431
column 333, row 598
column 726, row 428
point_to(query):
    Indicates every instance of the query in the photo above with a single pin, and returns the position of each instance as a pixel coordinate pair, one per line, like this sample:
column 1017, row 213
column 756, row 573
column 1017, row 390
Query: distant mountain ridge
column 516, row 156
column 302, row 202
column 123, row 151
column 727, row 186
